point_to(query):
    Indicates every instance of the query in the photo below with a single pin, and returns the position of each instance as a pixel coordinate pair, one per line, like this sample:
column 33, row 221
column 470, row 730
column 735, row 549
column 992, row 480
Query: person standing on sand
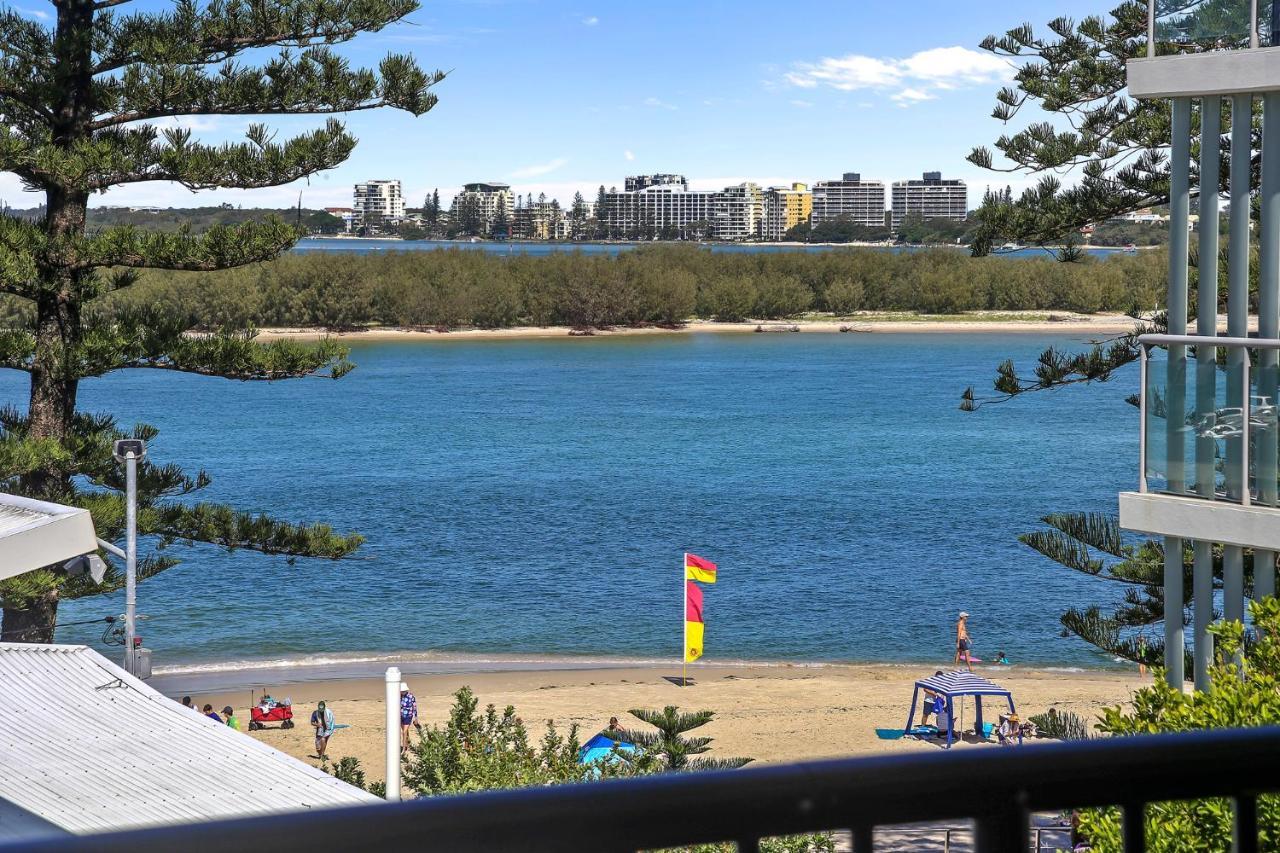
column 322, row 722
column 408, row 716
column 963, row 642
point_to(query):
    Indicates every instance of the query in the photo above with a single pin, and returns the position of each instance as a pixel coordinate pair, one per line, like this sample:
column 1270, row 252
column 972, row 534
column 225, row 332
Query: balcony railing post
column 1246, row 416
column 1151, row 29
column 1133, row 824
column 1143, row 357
column 1253, row 24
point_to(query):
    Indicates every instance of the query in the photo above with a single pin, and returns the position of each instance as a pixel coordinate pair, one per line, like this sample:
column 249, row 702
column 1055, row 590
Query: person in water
column 964, row 645
column 1002, row 659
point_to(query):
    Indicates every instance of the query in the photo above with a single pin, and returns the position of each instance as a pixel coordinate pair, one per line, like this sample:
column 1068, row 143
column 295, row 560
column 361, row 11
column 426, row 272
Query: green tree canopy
column 1113, row 148
column 82, row 99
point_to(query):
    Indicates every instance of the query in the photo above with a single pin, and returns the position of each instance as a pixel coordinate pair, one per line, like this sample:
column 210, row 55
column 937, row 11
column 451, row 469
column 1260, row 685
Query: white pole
column 684, row 623
column 131, row 562
column 393, row 733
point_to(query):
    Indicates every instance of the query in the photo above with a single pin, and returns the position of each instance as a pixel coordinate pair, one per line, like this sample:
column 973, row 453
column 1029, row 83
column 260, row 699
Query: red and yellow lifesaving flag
column 698, row 569
column 692, row 621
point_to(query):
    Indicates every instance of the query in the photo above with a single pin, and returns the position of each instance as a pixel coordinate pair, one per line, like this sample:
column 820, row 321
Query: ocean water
column 530, row 499
column 364, row 246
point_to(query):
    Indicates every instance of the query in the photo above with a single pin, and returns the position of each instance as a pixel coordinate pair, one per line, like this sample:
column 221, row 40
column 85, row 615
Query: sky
column 556, row 96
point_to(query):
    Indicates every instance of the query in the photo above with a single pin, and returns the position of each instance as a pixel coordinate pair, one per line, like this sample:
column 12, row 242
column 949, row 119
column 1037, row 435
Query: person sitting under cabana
column 951, row 686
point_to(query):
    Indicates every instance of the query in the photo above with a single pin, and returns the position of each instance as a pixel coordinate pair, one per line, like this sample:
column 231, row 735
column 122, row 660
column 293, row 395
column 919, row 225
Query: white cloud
column 803, row 104
column 910, row 96
column 540, row 168
column 658, row 102
column 34, row 13
column 590, row 21
column 913, row 79
column 628, row 155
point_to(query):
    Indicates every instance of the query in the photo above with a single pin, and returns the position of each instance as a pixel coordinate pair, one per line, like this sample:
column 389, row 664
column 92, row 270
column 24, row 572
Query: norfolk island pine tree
column 80, row 99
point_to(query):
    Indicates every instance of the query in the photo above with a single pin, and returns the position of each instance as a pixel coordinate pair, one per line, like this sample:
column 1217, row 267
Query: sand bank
column 1035, row 322
column 770, row 713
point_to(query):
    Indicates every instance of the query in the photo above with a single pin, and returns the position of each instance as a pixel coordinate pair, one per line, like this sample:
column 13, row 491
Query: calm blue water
column 364, row 246
column 536, row 496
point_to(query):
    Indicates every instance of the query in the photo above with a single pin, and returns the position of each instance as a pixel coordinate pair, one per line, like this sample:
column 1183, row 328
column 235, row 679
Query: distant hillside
column 198, row 218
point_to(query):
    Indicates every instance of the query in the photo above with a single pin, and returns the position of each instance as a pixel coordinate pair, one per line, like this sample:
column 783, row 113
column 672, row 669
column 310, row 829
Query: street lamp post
column 130, row 451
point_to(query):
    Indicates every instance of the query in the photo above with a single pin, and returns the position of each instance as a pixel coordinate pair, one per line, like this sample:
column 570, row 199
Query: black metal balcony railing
column 998, row 789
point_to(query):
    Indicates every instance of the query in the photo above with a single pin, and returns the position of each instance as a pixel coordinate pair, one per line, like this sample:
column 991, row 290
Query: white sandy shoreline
column 1030, row 322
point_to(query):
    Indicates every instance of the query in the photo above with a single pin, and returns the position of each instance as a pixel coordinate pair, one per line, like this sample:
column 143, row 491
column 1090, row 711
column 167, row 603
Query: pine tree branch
column 226, row 28
column 221, row 247
column 217, row 524
column 313, row 81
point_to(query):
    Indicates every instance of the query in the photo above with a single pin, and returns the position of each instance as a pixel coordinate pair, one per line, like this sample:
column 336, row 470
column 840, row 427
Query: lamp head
column 126, row 446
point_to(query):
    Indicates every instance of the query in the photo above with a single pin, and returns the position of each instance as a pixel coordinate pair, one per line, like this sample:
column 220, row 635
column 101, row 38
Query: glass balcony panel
column 1197, row 26
column 1263, row 427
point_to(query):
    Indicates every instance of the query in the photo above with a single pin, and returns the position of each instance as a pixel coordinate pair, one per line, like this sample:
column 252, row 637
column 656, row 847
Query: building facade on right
column 930, row 198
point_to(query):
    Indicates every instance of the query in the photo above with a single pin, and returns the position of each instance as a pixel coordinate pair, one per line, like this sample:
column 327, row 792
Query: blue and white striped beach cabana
column 951, row 686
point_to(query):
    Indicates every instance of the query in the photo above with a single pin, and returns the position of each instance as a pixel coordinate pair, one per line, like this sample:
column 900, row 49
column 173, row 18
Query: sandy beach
column 1039, row 322
column 770, row 713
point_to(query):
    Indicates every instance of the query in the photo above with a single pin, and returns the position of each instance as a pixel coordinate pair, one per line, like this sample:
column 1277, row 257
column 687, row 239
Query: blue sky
column 558, row 95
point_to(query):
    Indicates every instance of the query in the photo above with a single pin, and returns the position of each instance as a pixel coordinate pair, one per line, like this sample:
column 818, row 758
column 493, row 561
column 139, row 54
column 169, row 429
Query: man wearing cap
column 963, row 644
column 408, row 716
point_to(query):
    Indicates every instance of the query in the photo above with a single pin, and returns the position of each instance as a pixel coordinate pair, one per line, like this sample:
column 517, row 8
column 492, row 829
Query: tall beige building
column 784, row 209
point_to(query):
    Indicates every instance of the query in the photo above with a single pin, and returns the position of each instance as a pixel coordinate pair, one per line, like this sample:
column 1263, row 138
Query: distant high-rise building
column 484, row 200
column 658, row 210
column 930, row 198
column 635, row 183
column 375, row 202
column 849, row 198
column 739, row 213
column 784, row 209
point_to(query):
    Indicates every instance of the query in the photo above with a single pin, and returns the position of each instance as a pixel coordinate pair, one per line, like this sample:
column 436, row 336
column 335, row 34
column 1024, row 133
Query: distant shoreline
column 1032, row 322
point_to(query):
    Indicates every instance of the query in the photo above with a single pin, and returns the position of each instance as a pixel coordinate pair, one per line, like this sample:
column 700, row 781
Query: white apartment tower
column 375, row 202
column 661, row 208
column 739, row 213
column 849, row 198
column 488, row 198
column 930, row 198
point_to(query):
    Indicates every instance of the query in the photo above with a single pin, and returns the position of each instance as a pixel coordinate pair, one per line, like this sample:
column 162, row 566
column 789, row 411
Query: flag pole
column 684, row 624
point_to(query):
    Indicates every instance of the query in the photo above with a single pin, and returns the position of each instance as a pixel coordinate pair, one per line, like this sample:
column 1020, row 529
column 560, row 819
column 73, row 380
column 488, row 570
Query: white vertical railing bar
column 1142, row 418
column 1245, row 416
column 1253, row 24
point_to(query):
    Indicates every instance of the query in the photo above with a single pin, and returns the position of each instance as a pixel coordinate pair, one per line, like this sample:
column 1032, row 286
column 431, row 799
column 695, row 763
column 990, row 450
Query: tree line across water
column 660, row 285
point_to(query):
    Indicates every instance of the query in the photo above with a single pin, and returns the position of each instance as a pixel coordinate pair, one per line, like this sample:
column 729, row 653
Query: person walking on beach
column 963, row 642
column 322, row 722
column 232, row 721
column 408, row 716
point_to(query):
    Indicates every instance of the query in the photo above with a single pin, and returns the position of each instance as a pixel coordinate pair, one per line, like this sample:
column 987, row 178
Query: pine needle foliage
column 93, row 100
column 669, row 744
column 1113, row 145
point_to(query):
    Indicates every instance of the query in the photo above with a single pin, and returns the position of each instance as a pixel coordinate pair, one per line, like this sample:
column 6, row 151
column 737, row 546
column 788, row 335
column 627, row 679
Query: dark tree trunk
column 32, row 624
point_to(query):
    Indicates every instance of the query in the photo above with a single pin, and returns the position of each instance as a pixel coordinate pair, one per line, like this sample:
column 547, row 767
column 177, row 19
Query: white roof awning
column 35, row 533
column 87, row 748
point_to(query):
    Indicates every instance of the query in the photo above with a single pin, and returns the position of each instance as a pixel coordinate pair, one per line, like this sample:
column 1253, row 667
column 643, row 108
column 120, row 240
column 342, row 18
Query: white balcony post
column 393, row 733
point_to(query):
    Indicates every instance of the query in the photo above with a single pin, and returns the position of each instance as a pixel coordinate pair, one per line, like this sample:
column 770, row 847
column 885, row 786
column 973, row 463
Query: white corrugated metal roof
column 89, row 748
column 37, row 533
